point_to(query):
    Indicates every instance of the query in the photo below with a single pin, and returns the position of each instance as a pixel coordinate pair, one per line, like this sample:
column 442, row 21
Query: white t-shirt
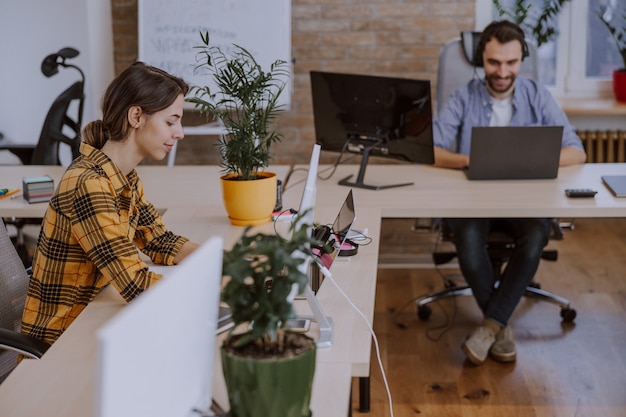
column 502, row 111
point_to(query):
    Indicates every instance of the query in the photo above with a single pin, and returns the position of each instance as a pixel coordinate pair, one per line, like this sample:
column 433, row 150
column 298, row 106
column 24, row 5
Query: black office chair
column 59, row 127
column 500, row 248
column 62, row 123
column 14, row 280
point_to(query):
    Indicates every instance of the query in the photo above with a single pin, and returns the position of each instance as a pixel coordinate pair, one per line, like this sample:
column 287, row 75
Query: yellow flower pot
column 250, row 202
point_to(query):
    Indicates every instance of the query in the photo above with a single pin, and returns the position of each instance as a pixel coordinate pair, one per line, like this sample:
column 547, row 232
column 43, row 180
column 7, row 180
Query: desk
column 435, row 193
column 197, row 215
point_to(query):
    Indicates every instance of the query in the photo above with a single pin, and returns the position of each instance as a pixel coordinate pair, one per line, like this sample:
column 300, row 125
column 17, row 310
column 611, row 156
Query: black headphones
column 504, row 31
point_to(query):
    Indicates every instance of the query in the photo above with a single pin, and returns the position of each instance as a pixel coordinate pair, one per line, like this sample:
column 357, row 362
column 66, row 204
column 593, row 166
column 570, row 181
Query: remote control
column 580, row 192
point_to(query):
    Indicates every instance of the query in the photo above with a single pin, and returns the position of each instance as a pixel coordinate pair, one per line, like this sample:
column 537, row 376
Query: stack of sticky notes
column 7, row 192
column 38, row 189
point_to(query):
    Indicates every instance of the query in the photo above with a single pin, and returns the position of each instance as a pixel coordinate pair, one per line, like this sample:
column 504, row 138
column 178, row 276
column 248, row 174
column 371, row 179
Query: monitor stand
column 359, row 179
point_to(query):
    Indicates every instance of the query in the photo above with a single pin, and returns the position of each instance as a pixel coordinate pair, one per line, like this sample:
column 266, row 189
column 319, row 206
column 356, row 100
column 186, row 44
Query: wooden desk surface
column 436, row 192
column 191, row 195
column 69, row 364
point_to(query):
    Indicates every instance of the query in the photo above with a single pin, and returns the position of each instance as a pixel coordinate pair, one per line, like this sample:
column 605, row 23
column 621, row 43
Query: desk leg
column 364, row 394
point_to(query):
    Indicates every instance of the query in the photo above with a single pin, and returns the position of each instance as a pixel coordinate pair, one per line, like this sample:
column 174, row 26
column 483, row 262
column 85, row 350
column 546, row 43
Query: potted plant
column 268, row 369
column 607, row 15
column 244, row 97
column 541, row 24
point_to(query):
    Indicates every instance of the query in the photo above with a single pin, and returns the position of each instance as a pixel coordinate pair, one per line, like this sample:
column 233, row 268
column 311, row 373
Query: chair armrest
column 26, row 345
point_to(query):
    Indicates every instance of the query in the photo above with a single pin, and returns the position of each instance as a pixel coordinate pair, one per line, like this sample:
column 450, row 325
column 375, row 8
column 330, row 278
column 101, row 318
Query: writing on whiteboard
column 169, row 31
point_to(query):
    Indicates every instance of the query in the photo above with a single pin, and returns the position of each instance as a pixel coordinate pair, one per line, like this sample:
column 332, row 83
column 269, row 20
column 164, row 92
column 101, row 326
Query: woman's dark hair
column 141, row 85
column 504, row 31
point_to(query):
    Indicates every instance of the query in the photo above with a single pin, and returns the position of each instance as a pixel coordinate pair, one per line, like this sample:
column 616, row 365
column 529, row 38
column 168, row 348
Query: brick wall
column 378, row 37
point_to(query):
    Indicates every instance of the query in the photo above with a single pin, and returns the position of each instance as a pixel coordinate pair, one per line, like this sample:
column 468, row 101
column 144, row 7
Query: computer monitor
column 306, row 210
column 373, row 115
column 306, row 215
column 155, row 357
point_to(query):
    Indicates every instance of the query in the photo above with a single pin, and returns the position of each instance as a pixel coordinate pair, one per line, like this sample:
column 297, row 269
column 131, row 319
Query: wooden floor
column 575, row 370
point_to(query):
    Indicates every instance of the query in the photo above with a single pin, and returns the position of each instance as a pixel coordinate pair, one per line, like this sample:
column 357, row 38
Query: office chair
column 500, row 248
column 14, row 280
column 456, row 67
column 58, row 127
column 62, row 123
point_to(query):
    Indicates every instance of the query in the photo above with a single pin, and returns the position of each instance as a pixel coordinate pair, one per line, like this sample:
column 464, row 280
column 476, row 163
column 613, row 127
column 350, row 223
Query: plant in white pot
column 615, row 24
column 245, row 97
column 268, row 369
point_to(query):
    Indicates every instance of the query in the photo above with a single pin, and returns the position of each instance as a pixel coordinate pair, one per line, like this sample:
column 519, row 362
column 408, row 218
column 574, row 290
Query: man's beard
column 490, row 81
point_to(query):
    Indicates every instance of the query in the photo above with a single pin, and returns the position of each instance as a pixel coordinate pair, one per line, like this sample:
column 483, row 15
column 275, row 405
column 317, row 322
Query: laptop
column 616, row 184
column 515, row 152
column 336, row 235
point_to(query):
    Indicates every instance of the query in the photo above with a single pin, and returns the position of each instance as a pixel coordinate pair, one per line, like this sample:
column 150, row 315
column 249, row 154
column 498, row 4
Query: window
column 603, row 59
column 565, row 68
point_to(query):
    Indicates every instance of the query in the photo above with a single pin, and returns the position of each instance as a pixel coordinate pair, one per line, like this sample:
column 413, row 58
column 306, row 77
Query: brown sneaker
column 478, row 343
column 503, row 349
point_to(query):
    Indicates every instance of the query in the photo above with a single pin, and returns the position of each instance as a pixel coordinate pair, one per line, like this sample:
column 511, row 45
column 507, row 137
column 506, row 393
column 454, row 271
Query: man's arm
column 572, row 156
column 447, row 159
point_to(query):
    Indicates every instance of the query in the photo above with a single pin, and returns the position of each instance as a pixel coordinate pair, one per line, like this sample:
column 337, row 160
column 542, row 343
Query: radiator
column 604, row 145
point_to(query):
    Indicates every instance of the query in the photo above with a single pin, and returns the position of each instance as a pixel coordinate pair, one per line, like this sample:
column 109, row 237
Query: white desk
column 438, row 192
column 435, row 193
column 198, row 215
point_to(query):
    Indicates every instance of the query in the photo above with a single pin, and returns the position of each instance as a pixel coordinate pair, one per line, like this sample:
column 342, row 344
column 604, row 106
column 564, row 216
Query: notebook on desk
column 616, row 184
column 515, row 152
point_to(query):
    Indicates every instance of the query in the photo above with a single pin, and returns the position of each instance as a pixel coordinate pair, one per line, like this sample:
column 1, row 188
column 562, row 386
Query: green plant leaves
column 245, row 98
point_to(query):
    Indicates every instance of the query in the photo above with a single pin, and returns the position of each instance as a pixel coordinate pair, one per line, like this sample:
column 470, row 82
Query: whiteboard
column 169, row 30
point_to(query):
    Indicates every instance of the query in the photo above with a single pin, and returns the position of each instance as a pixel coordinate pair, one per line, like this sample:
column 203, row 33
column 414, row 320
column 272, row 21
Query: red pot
column 619, row 85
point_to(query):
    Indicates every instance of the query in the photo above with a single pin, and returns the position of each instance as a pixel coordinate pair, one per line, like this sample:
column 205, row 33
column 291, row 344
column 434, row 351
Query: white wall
column 32, row 29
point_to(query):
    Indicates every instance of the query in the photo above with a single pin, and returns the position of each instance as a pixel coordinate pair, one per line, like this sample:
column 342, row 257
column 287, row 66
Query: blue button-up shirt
column 470, row 106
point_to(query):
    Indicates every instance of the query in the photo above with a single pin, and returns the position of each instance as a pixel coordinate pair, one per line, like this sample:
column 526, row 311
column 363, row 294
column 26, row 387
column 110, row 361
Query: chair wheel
column 568, row 314
column 424, row 312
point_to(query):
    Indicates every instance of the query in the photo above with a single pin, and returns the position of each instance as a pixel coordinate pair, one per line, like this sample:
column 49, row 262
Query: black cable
column 449, row 319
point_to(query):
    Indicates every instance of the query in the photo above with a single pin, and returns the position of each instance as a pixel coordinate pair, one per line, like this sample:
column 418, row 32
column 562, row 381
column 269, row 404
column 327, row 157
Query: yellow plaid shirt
column 90, row 235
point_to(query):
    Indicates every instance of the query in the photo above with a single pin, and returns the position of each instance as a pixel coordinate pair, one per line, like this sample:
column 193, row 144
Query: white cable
column 328, row 275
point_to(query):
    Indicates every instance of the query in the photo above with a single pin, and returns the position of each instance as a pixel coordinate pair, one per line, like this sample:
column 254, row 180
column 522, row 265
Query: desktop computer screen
column 155, row 357
column 373, row 116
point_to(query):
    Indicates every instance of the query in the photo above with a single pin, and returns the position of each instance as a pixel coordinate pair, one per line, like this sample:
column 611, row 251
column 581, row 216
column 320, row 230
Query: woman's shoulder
column 82, row 170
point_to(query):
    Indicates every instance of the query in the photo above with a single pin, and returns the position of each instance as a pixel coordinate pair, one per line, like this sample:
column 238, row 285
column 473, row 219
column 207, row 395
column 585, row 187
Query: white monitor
column 155, row 357
column 307, row 202
column 307, row 206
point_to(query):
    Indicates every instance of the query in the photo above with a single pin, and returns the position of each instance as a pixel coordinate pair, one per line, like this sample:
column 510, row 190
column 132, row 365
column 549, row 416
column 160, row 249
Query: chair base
column 424, row 311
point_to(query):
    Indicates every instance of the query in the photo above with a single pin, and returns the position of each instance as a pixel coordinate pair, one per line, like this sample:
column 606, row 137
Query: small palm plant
column 262, row 272
column 245, row 98
column 540, row 23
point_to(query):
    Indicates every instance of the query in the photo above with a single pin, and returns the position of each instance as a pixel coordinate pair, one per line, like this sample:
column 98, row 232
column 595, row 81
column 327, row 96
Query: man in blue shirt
column 501, row 99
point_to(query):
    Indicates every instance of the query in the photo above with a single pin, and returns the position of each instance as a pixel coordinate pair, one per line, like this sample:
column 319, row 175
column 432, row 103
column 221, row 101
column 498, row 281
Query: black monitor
column 373, row 115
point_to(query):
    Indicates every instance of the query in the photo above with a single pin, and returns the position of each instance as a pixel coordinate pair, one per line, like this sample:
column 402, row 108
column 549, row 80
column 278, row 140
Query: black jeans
column 470, row 237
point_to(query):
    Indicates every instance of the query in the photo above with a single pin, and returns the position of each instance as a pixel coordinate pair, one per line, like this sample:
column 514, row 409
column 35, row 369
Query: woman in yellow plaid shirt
column 99, row 217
